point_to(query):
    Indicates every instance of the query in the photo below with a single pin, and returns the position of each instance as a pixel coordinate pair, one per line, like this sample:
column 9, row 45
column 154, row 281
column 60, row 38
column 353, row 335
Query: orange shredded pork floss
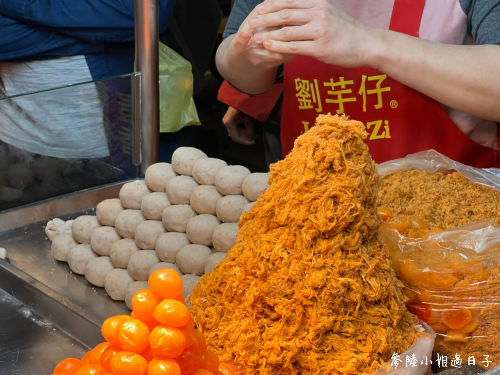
column 309, row 287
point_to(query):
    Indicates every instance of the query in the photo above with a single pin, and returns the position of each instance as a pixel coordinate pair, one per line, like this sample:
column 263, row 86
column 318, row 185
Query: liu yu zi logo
column 338, row 96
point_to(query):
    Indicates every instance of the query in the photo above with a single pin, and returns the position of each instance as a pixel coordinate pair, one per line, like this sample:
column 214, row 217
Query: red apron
column 399, row 120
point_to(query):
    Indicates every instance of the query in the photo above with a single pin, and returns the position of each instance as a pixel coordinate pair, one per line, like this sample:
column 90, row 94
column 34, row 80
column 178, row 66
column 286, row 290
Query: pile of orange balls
column 158, row 338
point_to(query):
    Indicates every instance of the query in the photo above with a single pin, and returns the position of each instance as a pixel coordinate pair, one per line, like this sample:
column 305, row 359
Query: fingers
column 247, row 135
column 241, row 40
column 305, row 48
column 244, row 136
column 292, row 17
column 232, row 129
column 264, row 56
column 271, row 6
column 287, row 34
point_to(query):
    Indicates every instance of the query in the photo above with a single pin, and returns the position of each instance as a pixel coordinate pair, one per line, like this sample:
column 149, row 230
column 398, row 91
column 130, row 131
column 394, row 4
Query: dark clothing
column 483, row 20
column 271, row 132
column 101, row 30
column 193, row 32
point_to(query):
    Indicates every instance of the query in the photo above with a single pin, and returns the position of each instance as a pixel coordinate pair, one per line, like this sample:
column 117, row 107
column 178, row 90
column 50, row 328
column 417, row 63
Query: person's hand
column 232, row 121
column 244, row 43
column 313, row 28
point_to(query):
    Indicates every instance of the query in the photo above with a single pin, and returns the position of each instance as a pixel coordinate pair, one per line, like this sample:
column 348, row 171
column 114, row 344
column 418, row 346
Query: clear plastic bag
column 432, row 161
column 177, row 108
column 415, row 361
column 451, row 277
column 452, row 280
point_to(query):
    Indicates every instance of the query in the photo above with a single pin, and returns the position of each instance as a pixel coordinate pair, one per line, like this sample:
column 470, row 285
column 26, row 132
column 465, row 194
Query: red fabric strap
column 407, row 16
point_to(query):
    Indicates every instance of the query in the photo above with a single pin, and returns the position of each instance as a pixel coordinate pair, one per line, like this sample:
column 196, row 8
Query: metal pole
column 146, row 86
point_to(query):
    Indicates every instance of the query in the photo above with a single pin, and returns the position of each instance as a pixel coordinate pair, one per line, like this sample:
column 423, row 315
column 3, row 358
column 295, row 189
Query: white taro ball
column 254, row 185
column 97, row 269
column 204, row 199
column 169, row 244
column 180, row 188
column 61, row 245
column 191, row 259
column 224, row 237
column 188, row 283
column 213, row 260
column 127, row 221
column 147, row 232
column 57, row 226
column 184, row 158
column 153, row 205
column 116, row 284
column 229, row 180
column 140, row 263
column 131, row 194
column 78, row 257
column 108, row 210
column 103, row 238
column 248, row 207
column 175, row 218
column 121, row 251
column 83, row 227
column 230, row 208
column 204, row 170
column 157, row 176
column 200, row 229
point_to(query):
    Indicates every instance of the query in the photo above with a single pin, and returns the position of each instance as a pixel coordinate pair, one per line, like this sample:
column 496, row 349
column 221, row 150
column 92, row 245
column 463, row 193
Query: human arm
column 466, row 78
column 247, row 65
column 241, row 72
column 90, row 20
column 462, row 77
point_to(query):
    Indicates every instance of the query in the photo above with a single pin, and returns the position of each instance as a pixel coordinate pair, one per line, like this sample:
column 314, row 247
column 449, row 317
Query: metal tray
column 46, row 312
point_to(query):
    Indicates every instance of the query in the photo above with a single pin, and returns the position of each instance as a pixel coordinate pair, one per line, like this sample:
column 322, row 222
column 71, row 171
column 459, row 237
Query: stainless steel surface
column 147, row 64
column 136, row 119
column 30, row 344
column 29, row 250
column 48, row 304
column 71, row 309
column 58, row 206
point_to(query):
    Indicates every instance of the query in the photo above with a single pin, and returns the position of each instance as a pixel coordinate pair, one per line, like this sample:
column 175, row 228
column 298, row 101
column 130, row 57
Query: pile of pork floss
column 309, row 287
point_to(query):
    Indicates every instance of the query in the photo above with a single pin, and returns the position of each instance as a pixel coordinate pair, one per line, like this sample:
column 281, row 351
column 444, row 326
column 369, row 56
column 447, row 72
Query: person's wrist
column 376, row 48
column 242, row 62
column 242, row 58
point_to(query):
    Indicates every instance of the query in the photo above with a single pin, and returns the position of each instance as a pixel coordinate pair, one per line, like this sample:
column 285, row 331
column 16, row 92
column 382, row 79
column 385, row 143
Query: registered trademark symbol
column 394, row 104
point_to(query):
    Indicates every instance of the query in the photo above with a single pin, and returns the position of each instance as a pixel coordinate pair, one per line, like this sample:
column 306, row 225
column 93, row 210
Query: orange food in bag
column 456, row 337
column 460, row 264
column 385, row 213
column 411, row 271
column 402, row 226
column 471, row 326
column 456, row 317
column 441, row 279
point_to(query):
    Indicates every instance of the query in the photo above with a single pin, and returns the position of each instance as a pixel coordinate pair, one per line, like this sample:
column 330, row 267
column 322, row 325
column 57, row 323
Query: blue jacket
column 101, row 30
